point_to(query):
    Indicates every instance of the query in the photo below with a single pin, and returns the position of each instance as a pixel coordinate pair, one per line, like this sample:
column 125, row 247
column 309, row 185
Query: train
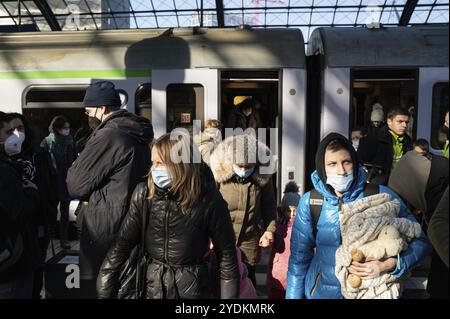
column 177, row 75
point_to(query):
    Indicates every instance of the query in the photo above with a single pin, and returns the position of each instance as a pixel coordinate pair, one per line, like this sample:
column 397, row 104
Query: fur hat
column 238, row 149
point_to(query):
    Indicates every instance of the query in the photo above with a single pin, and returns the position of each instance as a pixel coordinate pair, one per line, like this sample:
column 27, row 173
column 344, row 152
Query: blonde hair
column 213, row 124
column 185, row 177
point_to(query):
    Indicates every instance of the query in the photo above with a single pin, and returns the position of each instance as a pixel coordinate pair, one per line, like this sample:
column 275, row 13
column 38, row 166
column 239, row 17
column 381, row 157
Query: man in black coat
column 115, row 159
column 384, row 147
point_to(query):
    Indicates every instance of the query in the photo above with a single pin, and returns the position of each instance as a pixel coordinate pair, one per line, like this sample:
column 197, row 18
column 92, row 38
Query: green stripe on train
column 95, row 74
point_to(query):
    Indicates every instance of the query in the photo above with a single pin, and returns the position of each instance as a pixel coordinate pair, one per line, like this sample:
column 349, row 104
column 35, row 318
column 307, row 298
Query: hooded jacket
column 251, row 201
column 311, row 274
column 115, row 159
column 176, row 244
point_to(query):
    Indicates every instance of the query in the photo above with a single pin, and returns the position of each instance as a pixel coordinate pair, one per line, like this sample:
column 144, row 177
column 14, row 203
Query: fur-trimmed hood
column 229, row 152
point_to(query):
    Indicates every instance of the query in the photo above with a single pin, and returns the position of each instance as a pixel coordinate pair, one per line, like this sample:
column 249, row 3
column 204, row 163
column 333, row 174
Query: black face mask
column 93, row 122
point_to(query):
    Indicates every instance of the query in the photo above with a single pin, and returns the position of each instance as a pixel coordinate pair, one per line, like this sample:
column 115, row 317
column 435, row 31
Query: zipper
column 340, row 203
column 166, row 229
column 313, row 290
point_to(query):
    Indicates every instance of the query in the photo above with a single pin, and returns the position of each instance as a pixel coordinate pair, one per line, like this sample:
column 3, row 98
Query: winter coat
column 313, row 274
column 37, row 167
column 62, row 154
column 176, row 244
column 251, row 201
column 279, row 259
column 311, row 271
column 115, row 159
column 438, row 229
column 237, row 119
column 409, row 181
column 377, row 149
column 17, row 210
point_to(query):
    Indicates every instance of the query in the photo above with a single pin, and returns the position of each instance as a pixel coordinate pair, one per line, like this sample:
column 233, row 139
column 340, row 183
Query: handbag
column 133, row 273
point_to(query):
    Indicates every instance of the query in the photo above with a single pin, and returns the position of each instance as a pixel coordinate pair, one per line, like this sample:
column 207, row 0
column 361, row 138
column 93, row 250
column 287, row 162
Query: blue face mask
column 340, row 183
column 243, row 173
column 161, row 177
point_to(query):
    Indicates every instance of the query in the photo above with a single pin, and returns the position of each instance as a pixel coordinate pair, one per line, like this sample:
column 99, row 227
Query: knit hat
column 377, row 115
column 102, row 93
column 291, row 196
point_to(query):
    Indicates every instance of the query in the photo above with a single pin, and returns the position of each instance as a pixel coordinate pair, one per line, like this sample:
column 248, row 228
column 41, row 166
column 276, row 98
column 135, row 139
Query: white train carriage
column 350, row 69
column 170, row 76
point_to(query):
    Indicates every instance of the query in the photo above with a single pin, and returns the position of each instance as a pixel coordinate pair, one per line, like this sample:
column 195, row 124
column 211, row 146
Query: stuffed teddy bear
column 389, row 243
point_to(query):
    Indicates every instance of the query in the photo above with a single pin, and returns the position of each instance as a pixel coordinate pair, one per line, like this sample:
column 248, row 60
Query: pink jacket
column 279, row 260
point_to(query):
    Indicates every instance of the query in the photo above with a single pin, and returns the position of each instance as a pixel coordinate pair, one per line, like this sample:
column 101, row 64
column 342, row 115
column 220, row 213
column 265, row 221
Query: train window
column 42, row 103
column 439, row 108
column 388, row 89
column 185, row 103
column 143, row 101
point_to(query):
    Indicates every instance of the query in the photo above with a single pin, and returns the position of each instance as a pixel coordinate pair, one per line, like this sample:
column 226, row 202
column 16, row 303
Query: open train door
column 180, row 96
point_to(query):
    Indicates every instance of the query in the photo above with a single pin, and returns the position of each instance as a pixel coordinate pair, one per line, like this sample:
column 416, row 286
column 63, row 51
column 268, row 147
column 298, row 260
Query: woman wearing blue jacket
column 340, row 180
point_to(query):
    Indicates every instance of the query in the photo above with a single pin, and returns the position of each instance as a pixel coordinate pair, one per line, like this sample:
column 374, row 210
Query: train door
column 181, row 96
column 281, row 132
column 383, row 89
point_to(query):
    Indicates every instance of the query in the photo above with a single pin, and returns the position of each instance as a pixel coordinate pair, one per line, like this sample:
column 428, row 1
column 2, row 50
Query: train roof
column 384, row 47
column 150, row 49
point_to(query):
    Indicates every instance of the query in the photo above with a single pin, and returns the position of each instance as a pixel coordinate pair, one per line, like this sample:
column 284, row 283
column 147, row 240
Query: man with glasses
column 115, row 159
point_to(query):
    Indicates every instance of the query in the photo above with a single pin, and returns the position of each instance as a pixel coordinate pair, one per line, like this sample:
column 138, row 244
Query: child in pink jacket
column 279, row 258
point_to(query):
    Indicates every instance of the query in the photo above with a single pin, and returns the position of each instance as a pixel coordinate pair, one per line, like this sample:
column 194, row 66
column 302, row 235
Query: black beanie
column 320, row 155
column 102, row 93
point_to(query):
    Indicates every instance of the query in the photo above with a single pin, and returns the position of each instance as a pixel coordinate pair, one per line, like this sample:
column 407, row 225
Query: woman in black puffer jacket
column 185, row 211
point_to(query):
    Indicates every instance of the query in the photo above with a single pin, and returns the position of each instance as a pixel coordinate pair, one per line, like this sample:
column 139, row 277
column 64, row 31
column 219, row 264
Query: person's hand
column 371, row 268
column 28, row 184
column 266, row 239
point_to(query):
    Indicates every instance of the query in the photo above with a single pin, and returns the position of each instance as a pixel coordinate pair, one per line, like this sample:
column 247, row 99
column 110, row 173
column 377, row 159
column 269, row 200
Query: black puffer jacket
column 176, row 244
column 115, row 159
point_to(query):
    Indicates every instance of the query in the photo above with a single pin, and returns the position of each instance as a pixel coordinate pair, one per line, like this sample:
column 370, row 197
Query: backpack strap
column 371, row 189
column 315, row 207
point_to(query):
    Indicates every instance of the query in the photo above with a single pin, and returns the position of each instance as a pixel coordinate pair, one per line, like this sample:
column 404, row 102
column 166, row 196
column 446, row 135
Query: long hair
column 185, row 176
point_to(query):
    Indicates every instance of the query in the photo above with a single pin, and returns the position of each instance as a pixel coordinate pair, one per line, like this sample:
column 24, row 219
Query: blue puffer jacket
column 312, row 275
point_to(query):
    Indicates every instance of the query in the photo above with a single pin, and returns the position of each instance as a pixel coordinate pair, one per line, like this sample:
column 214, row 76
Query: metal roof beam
column 407, row 13
column 48, row 14
column 220, row 14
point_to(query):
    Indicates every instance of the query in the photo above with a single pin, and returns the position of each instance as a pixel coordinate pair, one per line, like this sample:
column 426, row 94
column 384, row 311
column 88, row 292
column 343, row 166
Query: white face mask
column 355, row 144
column 243, row 173
column 13, row 144
column 340, row 183
column 64, row 131
column 247, row 112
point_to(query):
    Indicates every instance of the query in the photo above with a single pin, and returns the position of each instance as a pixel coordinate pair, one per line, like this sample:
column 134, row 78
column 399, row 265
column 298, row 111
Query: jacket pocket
column 316, row 283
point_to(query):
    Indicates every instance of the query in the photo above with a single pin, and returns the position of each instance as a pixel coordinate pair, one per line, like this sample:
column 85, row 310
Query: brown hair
column 57, row 123
column 213, row 124
column 336, row 145
column 185, row 177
